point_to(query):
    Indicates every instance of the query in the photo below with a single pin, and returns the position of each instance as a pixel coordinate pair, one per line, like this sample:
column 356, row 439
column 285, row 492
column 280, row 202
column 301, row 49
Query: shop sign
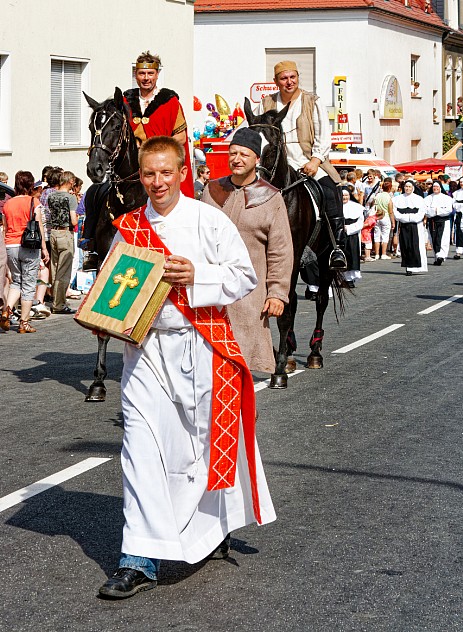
column 390, row 103
column 260, row 90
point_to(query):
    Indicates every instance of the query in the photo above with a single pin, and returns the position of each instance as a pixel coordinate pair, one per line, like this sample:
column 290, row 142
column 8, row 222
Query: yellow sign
column 390, row 103
column 339, row 86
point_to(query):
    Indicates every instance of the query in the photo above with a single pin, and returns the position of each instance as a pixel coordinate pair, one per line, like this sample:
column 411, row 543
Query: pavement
column 363, row 459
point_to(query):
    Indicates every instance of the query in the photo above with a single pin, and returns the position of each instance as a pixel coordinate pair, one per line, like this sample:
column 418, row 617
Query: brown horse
column 301, row 194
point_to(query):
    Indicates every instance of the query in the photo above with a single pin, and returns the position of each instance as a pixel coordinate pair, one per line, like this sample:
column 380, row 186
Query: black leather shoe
column 456, row 257
column 222, row 551
column 310, row 296
column 126, row 582
column 65, row 310
column 408, row 273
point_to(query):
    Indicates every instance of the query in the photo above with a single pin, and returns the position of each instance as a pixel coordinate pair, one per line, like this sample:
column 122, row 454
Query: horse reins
column 114, row 178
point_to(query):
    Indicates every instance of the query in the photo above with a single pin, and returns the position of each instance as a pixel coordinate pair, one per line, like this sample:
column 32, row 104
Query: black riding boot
column 338, row 259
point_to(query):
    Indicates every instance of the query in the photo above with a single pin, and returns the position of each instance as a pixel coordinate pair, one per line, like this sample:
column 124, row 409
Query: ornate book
column 126, row 295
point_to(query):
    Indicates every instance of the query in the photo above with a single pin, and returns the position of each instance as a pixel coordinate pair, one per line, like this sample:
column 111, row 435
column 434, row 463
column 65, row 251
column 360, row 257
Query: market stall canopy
column 452, row 152
column 428, row 165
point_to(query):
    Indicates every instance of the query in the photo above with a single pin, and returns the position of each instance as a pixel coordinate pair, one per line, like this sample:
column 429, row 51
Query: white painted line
column 364, row 341
column 441, row 304
column 51, row 481
column 265, row 383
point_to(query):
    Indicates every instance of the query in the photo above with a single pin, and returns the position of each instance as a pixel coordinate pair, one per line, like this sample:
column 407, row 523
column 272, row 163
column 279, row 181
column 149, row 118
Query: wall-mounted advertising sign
column 390, row 103
column 260, row 90
column 339, row 99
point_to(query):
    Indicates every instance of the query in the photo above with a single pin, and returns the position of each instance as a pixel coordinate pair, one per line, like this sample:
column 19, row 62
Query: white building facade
column 51, row 52
column 376, row 51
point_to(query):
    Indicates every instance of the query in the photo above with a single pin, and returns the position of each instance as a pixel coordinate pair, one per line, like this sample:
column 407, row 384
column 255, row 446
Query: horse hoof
column 279, row 381
column 290, row 365
column 314, row 362
column 96, row 394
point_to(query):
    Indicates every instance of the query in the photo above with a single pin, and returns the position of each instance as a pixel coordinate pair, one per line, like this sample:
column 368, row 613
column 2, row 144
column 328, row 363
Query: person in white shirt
column 438, row 211
column 308, row 142
column 409, row 211
column 173, row 391
column 458, row 208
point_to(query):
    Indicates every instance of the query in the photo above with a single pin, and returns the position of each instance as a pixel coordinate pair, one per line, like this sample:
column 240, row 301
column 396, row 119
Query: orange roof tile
column 414, row 12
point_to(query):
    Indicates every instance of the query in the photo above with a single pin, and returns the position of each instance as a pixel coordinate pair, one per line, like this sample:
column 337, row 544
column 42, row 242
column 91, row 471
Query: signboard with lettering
column 260, row 90
column 339, row 99
column 346, row 138
column 390, row 103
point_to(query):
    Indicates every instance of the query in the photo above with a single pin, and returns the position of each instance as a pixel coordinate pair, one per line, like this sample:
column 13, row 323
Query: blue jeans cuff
column 147, row 565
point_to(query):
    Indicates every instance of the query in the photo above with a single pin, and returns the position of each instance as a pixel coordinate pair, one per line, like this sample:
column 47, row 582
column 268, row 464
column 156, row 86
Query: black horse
column 305, row 231
column 113, row 168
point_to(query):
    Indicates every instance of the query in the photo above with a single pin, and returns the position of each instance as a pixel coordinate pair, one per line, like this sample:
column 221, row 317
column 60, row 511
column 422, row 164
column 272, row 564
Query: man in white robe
column 166, row 391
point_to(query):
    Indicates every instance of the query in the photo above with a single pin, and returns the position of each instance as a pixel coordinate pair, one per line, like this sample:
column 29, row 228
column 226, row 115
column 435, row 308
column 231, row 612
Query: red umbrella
column 427, row 165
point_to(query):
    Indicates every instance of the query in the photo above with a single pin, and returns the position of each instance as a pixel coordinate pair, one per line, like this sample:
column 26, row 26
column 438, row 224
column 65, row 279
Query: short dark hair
column 54, row 177
column 66, row 177
column 157, row 144
column 23, row 183
column 201, row 169
column 387, row 186
column 46, row 172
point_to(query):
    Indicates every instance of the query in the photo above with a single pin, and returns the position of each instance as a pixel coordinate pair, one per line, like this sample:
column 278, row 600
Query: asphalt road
column 363, row 459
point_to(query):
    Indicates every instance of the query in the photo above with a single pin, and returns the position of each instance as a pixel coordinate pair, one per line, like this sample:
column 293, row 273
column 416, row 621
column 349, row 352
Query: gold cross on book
column 126, row 281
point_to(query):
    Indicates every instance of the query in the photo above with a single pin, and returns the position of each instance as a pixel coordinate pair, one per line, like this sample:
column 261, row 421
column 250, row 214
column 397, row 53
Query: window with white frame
column 5, row 103
column 67, row 114
column 304, row 58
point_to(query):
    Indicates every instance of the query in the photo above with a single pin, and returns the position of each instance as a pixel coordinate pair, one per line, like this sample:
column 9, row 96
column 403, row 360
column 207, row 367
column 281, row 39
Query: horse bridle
column 271, row 174
column 114, row 178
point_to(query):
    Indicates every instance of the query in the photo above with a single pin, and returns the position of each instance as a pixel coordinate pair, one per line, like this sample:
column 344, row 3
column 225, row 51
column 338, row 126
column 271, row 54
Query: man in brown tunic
column 259, row 212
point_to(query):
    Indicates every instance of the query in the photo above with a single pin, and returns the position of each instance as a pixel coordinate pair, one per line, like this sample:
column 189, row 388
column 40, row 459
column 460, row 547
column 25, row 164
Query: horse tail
column 340, row 290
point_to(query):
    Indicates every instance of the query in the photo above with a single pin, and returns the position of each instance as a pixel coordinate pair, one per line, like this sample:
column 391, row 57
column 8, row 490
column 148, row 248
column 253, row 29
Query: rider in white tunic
column 166, row 396
column 458, row 208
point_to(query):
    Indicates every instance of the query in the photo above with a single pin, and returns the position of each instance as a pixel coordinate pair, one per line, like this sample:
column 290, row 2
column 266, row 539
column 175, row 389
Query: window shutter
column 304, row 58
column 56, row 107
column 72, row 102
column 65, row 108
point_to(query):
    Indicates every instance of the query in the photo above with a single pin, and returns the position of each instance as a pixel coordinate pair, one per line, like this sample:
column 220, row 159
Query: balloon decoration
column 220, row 121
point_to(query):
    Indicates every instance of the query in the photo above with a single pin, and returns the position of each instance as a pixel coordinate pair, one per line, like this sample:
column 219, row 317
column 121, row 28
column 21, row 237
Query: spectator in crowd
column 359, row 186
column 438, row 211
column 62, row 207
column 458, row 208
column 22, row 262
column 409, row 210
column 371, row 188
column 384, row 220
column 76, row 192
column 343, row 175
column 444, row 180
column 353, row 217
column 3, row 195
column 39, row 309
column 203, row 176
column 3, row 267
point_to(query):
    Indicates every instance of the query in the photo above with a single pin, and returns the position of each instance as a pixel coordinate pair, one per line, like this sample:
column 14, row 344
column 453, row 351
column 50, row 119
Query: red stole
column 232, row 385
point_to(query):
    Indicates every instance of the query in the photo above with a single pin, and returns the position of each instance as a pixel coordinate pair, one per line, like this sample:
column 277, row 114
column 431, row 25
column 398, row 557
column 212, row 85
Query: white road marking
column 51, row 481
column 441, row 304
column 367, row 339
column 264, row 384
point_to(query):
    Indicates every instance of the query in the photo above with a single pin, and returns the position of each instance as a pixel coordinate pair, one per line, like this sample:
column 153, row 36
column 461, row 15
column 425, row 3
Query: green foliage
column 448, row 141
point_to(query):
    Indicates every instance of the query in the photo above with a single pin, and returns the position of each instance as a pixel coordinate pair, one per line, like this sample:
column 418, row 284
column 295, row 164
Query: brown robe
column 259, row 213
